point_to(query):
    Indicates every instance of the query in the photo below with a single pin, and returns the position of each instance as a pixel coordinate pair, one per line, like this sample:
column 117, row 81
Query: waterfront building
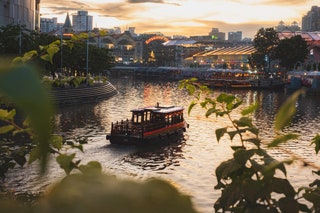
column 82, row 21
column 313, row 40
column 131, row 30
column 23, row 12
column 181, row 48
column 224, row 57
column 311, row 21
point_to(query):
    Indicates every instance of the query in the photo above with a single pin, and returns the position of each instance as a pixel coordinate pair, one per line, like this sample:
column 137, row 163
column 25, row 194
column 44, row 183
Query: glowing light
column 156, row 38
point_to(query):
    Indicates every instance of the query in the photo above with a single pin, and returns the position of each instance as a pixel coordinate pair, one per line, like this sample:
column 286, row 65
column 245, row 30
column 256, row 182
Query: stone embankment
column 82, row 94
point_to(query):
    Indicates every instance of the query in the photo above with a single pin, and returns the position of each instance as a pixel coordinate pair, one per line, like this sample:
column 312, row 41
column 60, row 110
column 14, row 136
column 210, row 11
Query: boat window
column 168, row 119
column 137, row 118
column 147, row 116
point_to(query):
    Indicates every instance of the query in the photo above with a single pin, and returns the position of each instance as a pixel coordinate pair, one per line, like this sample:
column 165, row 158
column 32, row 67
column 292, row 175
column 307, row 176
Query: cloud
column 145, row 1
column 286, row 2
column 185, row 17
column 272, row 2
column 121, row 11
column 152, row 1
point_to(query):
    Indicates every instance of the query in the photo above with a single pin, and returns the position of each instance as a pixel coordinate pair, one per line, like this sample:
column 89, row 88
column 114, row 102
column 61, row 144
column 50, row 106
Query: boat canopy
column 157, row 114
column 158, row 109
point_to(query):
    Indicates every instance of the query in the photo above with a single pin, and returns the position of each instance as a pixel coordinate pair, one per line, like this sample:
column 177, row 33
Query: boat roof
column 160, row 109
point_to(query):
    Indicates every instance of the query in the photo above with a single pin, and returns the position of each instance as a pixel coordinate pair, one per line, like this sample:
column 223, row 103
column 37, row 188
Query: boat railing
column 126, row 127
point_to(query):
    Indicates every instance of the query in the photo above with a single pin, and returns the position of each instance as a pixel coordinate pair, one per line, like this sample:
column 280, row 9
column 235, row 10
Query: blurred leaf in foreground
column 21, row 84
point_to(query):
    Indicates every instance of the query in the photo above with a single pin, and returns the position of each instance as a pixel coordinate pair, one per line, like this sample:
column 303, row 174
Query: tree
column 265, row 41
column 15, row 39
column 100, row 59
column 74, row 57
column 291, row 50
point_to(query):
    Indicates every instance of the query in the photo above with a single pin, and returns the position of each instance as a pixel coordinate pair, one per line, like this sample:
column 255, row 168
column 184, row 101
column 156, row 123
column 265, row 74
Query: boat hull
column 149, row 125
column 159, row 138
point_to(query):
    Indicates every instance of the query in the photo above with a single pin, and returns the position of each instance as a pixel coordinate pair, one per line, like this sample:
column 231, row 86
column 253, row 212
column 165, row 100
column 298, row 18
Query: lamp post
column 87, row 60
column 61, row 62
column 20, row 40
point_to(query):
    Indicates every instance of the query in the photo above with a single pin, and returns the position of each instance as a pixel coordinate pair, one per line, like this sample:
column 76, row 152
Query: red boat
column 149, row 125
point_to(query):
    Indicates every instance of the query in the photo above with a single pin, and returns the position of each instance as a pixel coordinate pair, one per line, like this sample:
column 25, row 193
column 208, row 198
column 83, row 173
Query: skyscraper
column 23, row 12
column 311, row 21
column 82, row 21
column 48, row 24
column 235, row 36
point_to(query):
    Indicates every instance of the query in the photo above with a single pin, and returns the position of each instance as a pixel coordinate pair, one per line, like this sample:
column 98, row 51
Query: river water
column 188, row 164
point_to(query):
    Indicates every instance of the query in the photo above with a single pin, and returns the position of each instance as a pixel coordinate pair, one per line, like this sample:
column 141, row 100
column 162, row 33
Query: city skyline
column 183, row 17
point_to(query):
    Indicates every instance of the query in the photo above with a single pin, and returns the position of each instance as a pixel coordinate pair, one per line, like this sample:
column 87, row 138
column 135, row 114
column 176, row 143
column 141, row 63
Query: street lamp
column 87, row 60
column 61, row 63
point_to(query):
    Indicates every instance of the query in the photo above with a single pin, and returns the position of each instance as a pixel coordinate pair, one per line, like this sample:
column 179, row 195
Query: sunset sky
column 183, row 17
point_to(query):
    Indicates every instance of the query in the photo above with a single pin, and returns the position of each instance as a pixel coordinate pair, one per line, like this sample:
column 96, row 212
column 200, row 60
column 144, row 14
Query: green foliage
column 11, row 36
column 50, row 51
column 16, row 39
column 26, row 57
column 97, row 192
column 287, row 110
column 66, row 162
column 291, row 50
column 31, row 97
column 316, row 141
column 265, row 42
column 105, row 193
column 71, row 81
column 288, row 51
column 253, row 181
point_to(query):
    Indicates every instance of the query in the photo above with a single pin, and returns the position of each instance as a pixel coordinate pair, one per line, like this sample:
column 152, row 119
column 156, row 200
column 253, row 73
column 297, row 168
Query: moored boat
column 149, row 125
column 242, row 79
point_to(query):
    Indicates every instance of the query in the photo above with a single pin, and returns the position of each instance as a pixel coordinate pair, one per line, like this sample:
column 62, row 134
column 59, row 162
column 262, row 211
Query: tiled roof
column 239, row 50
column 178, row 42
column 308, row 36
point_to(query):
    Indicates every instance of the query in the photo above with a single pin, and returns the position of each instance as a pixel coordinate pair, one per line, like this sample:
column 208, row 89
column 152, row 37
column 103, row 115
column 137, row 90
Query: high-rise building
column 311, row 21
column 216, row 35
column 82, row 21
column 48, row 24
column 235, row 36
column 22, row 12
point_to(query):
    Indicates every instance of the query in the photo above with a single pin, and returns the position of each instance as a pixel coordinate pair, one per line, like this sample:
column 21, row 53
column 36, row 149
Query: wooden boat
column 149, row 125
column 241, row 80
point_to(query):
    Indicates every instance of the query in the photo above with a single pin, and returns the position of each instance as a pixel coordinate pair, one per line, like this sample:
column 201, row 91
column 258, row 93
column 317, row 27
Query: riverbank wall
column 83, row 94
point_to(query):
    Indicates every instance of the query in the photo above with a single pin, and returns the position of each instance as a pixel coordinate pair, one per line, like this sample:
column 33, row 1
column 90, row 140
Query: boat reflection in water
column 149, row 125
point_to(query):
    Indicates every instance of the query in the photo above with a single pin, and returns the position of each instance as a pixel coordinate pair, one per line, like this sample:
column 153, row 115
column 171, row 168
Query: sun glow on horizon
column 181, row 15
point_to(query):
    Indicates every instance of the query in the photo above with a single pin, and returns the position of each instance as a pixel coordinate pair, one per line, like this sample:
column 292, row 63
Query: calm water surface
column 188, row 164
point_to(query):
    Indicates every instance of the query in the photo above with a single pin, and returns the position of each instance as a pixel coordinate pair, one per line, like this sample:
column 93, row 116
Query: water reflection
column 75, row 121
column 188, row 164
column 157, row 157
